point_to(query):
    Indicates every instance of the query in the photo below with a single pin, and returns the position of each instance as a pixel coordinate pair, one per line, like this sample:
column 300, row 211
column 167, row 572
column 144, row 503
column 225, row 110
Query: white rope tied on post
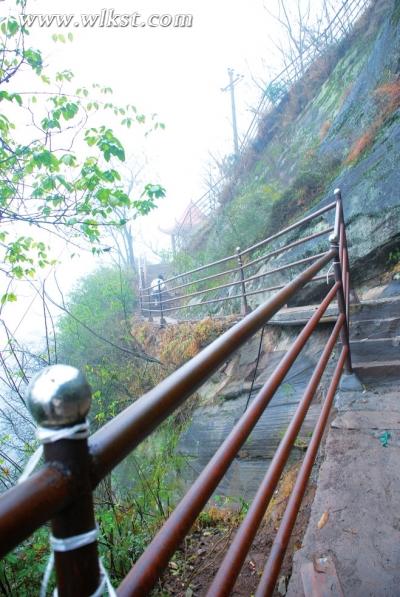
column 47, row 436
column 69, row 544
column 328, row 273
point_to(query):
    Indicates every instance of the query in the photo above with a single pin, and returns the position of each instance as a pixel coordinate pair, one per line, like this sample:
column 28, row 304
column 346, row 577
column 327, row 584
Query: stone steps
column 375, row 349
column 375, row 328
column 371, row 310
column 380, row 371
column 385, row 308
column 357, row 492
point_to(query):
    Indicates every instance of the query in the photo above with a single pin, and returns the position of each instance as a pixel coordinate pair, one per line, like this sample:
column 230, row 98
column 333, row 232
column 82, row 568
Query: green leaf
column 34, row 59
column 9, row 297
column 12, row 27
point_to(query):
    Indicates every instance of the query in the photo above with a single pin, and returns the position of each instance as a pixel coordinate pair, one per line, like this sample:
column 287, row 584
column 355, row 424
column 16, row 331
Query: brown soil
column 193, row 567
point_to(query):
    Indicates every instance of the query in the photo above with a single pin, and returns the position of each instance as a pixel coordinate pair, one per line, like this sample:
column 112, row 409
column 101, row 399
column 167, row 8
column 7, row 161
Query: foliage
column 60, row 174
column 274, row 91
column 394, row 257
column 396, row 13
column 131, row 512
column 23, row 569
column 128, row 514
column 94, row 335
column 103, row 300
column 174, row 345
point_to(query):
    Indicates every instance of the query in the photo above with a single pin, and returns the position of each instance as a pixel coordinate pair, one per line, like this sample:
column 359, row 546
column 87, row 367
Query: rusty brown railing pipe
column 242, row 280
column 198, row 269
column 290, row 228
column 345, row 335
column 253, row 247
column 151, row 564
column 274, row 562
column 265, row 257
column 229, row 570
column 237, row 296
column 233, row 270
column 244, row 310
column 117, row 438
column 291, row 245
column 26, row 507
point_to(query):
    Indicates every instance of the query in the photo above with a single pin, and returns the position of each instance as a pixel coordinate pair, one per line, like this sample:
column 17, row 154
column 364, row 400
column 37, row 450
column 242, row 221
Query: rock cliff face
column 339, row 128
column 346, row 135
column 227, row 395
column 369, row 115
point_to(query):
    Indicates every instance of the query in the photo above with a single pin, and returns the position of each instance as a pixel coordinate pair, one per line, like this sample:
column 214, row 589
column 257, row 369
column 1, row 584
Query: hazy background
column 176, row 73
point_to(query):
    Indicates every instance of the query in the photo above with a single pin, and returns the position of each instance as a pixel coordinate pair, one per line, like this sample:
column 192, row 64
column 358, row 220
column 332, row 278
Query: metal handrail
column 62, row 489
column 232, row 297
column 147, row 293
column 250, row 249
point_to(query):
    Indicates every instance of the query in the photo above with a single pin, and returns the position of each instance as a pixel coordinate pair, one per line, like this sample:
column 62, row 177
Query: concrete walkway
column 356, row 550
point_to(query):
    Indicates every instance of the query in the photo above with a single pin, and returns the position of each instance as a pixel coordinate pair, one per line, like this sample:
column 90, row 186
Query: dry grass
column 176, row 344
column 345, row 95
column 388, row 98
column 362, row 143
column 324, row 129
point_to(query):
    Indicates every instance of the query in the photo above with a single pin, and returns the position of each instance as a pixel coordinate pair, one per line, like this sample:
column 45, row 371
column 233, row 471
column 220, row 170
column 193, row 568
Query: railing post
column 339, row 202
column 341, row 304
column 59, row 399
column 244, row 305
column 141, row 287
column 141, row 302
column 142, row 278
column 162, row 320
column 334, row 242
column 149, row 303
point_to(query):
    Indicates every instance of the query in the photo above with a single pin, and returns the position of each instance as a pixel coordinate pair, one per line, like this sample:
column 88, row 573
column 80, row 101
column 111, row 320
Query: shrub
column 361, row 144
column 388, row 99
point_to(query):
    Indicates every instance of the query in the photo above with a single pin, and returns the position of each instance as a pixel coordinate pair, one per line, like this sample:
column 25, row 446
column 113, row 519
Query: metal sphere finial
column 59, row 396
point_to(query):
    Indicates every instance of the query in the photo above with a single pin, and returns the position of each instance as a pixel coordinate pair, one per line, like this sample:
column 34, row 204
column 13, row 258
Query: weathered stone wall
column 224, row 399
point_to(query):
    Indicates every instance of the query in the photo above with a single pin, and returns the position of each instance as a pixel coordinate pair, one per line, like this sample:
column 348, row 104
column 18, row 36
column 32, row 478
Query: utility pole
column 231, row 87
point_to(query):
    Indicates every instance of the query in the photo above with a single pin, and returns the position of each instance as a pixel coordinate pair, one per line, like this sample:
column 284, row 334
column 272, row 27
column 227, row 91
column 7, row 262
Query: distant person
column 157, row 287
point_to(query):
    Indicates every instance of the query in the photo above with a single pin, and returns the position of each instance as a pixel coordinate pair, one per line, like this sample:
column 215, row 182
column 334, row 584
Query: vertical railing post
column 162, row 320
column 59, row 399
column 149, row 297
column 141, row 302
column 334, row 242
column 142, row 278
column 339, row 202
column 142, row 286
column 244, row 305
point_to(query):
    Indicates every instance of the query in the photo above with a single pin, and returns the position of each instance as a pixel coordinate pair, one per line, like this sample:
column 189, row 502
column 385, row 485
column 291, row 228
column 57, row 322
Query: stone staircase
column 374, row 334
column 355, row 552
column 375, row 339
